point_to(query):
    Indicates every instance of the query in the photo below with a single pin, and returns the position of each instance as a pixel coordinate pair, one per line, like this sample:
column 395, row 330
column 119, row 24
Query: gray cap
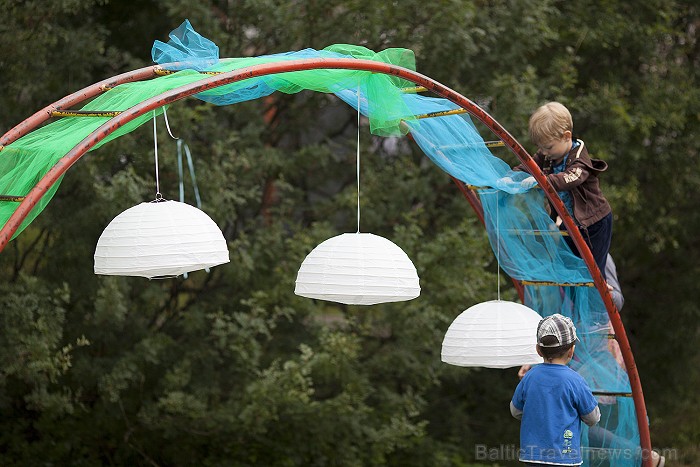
column 559, row 326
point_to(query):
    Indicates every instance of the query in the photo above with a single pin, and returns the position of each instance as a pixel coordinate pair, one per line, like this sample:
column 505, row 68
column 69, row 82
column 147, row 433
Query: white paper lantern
column 495, row 334
column 358, row 269
column 160, row 239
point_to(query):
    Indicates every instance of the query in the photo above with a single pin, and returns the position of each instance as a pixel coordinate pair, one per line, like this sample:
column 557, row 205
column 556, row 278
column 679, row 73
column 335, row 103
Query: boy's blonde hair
column 549, row 122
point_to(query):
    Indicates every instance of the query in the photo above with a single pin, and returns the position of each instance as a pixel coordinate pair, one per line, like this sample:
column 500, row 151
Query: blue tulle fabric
column 186, row 49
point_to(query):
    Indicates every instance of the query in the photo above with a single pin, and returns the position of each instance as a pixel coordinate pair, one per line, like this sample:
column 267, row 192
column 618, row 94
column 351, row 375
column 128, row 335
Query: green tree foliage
column 230, row 367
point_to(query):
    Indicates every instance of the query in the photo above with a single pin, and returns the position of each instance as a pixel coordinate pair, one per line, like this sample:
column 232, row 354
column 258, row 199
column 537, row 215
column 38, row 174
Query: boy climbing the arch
column 552, row 399
column 565, row 162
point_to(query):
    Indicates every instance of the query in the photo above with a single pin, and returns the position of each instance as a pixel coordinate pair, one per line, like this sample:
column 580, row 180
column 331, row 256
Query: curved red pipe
column 72, row 99
column 377, row 67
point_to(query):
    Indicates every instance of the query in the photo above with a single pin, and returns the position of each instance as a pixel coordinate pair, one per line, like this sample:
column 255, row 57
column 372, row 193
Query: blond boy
column 565, row 162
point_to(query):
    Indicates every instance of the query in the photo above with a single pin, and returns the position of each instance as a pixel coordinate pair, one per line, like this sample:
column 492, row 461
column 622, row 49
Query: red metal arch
column 73, row 99
column 312, row 64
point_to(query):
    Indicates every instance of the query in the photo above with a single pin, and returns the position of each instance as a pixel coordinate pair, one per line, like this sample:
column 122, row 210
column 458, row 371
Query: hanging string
column 358, row 159
column 159, row 196
column 498, row 247
column 179, row 171
column 190, row 165
column 167, row 125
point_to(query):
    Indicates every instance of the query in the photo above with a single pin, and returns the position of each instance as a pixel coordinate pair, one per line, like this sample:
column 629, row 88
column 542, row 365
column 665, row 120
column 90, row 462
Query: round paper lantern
column 495, row 334
column 160, row 239
column 358, row 269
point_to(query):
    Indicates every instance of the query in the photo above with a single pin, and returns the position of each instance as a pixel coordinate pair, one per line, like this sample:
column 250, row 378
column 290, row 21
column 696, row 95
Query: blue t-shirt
column 553, row 398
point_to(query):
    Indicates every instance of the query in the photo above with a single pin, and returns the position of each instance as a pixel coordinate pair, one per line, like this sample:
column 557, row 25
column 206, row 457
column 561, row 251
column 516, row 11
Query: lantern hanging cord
column 159, row 196
column 498, row 249
column 358, row 159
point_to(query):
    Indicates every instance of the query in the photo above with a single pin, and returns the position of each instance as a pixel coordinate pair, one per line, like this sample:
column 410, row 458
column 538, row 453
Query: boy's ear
column 567, row 135
column 537, row 347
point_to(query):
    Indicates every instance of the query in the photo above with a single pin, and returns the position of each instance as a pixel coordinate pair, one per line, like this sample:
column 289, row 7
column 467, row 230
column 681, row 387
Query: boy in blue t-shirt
column 552, row 400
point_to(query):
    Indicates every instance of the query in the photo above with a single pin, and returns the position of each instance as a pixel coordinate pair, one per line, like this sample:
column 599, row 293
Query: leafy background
column 230, row 367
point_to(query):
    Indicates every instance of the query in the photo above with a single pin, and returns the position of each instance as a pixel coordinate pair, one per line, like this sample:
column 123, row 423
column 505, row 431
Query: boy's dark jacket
column 580, row 178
